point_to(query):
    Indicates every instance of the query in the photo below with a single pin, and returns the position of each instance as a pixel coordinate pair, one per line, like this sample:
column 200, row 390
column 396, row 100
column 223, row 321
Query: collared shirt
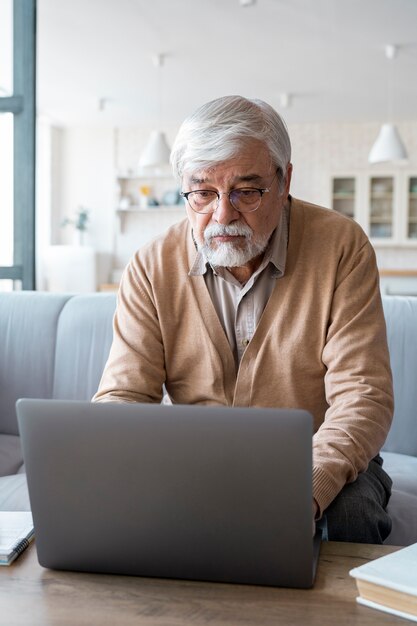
column 240, row 307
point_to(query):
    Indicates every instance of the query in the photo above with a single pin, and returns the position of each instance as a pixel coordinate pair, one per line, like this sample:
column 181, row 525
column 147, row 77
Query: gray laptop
column 191, row 492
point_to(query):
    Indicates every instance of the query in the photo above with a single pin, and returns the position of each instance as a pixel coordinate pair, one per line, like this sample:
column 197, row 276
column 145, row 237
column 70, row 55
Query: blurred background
column 115, row 78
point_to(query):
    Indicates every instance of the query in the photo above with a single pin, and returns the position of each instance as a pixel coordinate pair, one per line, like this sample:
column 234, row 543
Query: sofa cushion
column 401, row 315
column 402, row 506
column 10, row 454
column 14, row 494
column 28, row 324
column 84, row 336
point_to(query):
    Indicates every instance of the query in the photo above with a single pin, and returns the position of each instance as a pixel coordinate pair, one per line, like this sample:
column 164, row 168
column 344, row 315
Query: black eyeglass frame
column 263, row 190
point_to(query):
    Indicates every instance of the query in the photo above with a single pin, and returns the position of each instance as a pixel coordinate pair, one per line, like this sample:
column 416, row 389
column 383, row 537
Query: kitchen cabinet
column 383, row 203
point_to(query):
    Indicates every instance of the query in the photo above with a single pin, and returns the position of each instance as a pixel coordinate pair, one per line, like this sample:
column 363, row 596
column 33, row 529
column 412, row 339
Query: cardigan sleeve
column 358, row 382
column 135, row 370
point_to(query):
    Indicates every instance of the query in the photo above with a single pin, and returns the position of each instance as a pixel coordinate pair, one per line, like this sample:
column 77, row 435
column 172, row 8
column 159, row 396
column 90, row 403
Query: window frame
column 22, row 104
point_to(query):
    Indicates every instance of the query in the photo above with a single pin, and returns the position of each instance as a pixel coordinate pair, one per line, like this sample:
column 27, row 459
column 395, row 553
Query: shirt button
column 245, row 342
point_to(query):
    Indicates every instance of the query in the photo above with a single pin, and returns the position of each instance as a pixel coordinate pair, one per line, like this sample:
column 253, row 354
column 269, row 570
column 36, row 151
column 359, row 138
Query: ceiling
column 327, row 54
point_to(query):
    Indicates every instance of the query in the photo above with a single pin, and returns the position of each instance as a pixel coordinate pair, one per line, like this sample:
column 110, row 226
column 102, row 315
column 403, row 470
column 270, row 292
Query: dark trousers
column 358, row 513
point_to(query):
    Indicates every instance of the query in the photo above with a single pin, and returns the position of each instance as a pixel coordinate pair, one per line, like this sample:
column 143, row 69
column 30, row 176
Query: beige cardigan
column 320, row 344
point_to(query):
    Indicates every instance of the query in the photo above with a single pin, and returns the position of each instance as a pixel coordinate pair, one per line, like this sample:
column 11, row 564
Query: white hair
column 218, row 130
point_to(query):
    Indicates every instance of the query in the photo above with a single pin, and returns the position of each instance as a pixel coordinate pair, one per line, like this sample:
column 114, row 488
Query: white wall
column 85, row 162
column 82, row 174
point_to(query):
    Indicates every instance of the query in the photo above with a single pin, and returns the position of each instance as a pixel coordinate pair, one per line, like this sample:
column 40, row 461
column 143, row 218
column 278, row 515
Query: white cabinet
column 70, row 269
column 383, row 203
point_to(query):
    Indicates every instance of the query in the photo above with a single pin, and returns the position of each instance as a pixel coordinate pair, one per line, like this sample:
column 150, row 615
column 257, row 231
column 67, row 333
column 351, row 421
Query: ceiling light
column 157, row 150
column 247, row 3
column 388, row 147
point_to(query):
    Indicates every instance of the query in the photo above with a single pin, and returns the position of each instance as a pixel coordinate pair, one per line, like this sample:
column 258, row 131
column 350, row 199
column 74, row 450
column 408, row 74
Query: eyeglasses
column 244, row 199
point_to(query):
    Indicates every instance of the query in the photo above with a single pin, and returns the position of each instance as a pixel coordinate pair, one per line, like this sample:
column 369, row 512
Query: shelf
column 380, row 222
column 375, row 195
column 380, row 219
column 381, row 212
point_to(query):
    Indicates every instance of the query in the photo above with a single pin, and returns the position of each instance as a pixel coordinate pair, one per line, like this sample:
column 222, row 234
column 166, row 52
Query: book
column 390, row 583
column 16, row 533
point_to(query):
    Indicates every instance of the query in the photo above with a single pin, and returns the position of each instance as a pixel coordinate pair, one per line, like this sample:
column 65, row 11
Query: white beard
column 229, row 254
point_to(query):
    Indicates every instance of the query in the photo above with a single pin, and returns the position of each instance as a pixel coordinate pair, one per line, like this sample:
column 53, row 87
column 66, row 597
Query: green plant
column 80, row 222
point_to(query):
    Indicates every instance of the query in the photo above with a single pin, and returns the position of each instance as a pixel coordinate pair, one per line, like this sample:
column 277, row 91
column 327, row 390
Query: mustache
column 216, row 230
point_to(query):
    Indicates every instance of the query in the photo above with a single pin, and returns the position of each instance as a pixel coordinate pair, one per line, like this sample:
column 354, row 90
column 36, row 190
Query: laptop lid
column 192, row 492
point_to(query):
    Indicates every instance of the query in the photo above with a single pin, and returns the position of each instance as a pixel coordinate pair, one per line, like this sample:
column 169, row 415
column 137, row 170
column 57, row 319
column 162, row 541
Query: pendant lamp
column 388, row 147
column 157, row 150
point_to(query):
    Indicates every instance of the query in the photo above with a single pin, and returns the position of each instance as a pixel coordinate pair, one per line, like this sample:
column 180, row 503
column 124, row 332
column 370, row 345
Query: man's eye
column 204, row 195
column 247, row 193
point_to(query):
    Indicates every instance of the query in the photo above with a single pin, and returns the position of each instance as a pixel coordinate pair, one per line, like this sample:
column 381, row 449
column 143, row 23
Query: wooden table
column 33, row 596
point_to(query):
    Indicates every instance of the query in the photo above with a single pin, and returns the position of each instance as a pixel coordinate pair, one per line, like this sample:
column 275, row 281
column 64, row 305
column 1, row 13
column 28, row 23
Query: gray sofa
column 56, row 345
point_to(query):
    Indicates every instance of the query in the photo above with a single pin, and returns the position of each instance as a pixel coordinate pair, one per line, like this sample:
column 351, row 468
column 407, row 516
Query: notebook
column 16, row 532
column 190, row 492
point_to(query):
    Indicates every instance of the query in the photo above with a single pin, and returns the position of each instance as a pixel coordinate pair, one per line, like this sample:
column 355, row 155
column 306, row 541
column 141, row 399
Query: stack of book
column 390, row 583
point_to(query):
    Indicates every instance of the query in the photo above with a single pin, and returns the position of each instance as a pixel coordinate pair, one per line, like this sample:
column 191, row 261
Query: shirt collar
column 275, row 253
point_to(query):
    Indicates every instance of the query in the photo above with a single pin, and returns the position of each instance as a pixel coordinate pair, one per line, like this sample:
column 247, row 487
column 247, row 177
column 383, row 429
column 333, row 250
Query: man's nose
column 225, row 211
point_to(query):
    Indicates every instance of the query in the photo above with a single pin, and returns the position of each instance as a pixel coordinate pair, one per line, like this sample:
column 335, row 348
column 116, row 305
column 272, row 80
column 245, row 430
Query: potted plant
column 80, row 223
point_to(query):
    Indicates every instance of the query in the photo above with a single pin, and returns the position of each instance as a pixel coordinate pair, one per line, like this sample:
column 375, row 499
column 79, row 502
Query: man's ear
column 288, row 180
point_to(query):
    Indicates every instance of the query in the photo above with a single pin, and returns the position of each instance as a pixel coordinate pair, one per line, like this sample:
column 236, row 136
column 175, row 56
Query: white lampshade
column 156, row 151
column 388, row 146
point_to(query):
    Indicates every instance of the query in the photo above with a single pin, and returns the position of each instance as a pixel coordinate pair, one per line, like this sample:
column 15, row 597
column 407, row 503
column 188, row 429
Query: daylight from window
column 6, row 141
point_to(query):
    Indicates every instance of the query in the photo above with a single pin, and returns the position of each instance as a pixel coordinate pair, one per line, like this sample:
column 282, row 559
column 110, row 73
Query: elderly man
column 260, row 299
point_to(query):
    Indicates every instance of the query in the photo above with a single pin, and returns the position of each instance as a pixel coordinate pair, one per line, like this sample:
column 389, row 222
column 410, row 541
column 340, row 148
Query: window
column 17, row 143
